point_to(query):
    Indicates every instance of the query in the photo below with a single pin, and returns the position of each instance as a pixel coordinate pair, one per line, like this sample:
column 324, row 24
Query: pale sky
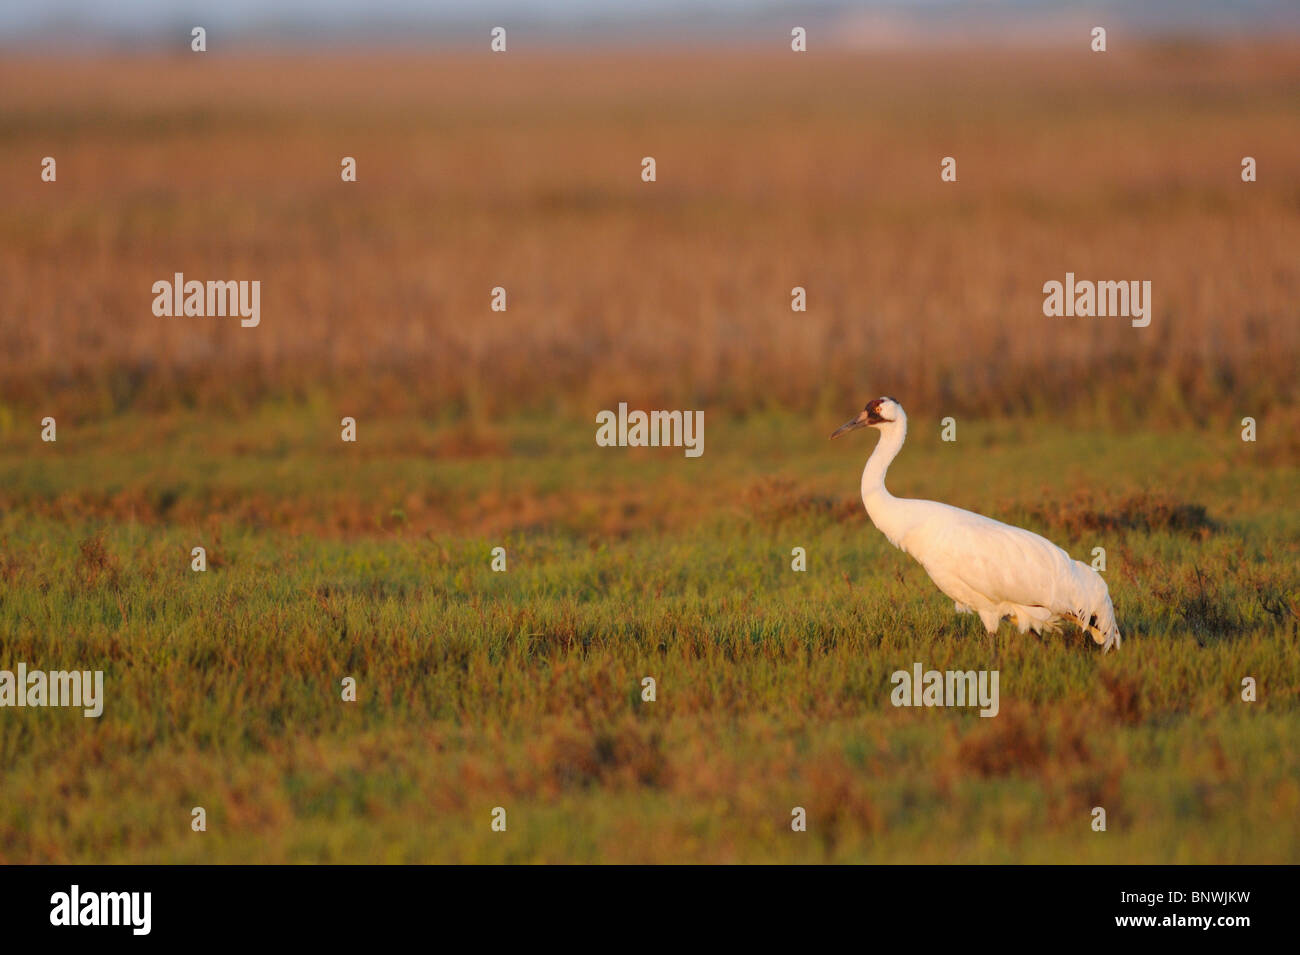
column 141, row 20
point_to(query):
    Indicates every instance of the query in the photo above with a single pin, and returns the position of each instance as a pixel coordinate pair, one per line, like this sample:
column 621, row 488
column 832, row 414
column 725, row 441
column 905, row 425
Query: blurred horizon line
column 830, row 24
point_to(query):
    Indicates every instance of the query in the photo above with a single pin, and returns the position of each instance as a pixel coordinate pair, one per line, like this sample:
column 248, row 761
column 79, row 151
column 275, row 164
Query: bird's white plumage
column 985, row 566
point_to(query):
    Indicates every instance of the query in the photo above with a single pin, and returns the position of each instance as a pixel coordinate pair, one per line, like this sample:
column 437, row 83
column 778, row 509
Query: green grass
column 522, row 689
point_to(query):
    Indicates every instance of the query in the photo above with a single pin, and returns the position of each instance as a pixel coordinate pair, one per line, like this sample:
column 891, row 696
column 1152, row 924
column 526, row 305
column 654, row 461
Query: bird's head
column 879, row 413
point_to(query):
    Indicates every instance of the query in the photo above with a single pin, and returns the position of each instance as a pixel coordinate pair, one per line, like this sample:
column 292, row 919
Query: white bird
column 985, row 566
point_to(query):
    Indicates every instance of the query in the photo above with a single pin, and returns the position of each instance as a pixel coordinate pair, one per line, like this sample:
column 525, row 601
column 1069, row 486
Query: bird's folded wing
column 1000, row 562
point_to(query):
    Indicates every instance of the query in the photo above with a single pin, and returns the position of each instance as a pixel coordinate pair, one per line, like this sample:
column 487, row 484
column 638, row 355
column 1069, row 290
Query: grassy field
column 522, row 689
column 476, row 430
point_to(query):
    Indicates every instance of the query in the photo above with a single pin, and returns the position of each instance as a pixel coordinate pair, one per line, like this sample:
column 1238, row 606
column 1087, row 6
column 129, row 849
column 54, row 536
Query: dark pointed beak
column 859, row 422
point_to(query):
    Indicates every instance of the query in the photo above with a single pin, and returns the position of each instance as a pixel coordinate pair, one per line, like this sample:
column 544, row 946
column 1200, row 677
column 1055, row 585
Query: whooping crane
column 985, row 566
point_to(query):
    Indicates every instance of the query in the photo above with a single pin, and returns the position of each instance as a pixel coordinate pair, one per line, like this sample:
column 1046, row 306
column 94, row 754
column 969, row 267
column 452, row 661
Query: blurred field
column 774, row 171
column 476, row 430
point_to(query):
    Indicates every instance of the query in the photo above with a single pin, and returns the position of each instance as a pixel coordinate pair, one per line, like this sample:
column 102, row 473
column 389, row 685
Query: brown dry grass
column 774, row 171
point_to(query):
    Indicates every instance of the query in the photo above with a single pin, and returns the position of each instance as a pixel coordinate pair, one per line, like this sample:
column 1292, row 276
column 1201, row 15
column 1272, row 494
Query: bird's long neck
column 874, row 494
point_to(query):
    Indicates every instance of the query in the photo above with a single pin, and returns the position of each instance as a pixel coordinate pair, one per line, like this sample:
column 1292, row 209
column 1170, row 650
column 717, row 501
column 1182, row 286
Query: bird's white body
column 985, row 566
